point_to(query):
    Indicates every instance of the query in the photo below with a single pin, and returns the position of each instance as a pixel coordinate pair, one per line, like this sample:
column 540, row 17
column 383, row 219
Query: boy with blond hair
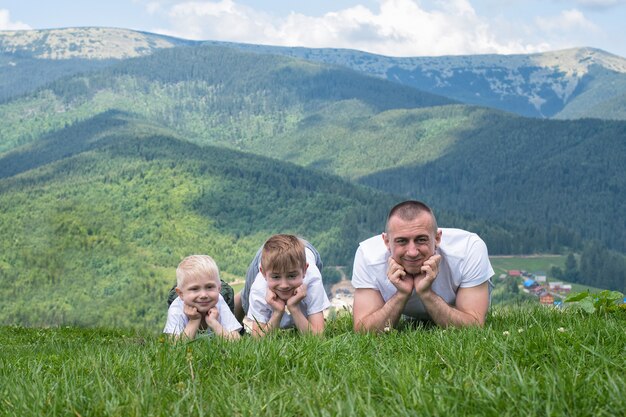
column 284, row 288
column 200, row 306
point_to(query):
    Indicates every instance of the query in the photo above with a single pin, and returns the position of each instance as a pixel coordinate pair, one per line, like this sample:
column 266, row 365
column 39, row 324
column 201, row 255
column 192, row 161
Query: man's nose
column 412, row 249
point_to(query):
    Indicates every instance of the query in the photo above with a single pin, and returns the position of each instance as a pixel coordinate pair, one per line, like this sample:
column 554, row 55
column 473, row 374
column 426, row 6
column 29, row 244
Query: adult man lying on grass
column 421, row 271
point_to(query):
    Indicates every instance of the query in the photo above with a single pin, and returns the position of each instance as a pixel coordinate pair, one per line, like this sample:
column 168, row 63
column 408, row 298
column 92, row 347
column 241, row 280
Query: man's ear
column 438, row 238
column 306, row 266
column 385, row 237
column 179, row 292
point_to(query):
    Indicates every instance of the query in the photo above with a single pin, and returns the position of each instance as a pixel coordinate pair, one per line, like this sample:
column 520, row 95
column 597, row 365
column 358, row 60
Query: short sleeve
column 361, row 277
column 258, row 310
column 316, row 297
column 227, row 318
column 477, row 268
column 176, row 318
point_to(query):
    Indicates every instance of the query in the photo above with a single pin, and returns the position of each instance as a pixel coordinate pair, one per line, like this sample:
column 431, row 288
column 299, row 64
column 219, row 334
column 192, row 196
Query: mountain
column 30, row 59
column 121, row 168
column 565, row 84
column 213, row 94
column 359, row 127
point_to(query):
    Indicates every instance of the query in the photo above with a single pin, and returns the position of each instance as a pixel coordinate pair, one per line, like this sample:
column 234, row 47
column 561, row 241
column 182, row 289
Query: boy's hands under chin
column 274, row 301
column 191, row 312
column 298, row 295
column 212, row 316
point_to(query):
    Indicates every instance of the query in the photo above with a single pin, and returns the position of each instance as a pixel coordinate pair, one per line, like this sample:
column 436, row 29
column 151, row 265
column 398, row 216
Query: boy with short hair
column 199, row 305
column 284, row 288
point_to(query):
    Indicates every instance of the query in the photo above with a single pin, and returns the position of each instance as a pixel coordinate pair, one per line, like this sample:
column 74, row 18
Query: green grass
column 502, row 264
column 526, row 361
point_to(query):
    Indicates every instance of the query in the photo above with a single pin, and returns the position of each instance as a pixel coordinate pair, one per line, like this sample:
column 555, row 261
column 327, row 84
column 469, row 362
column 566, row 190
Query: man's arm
column 470, row 310
column 371, row 313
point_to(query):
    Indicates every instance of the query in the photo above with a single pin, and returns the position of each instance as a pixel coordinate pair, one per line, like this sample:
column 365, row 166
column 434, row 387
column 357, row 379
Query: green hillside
column 341, row 122
column 566, row 175
column 209, row 94
column 542, row 179
column 92, row 235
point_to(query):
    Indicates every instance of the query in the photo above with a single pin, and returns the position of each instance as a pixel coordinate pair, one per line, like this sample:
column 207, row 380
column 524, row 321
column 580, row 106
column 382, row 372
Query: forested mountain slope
column 211, row 94
column 94, row 219
column 490, row 166
column 342, row 122
column 561, row 84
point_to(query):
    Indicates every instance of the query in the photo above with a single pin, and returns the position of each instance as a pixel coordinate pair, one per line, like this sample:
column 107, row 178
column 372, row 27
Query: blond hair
column 196, row 266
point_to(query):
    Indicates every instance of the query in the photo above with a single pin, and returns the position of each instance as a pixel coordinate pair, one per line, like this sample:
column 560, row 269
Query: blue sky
column 387, row 27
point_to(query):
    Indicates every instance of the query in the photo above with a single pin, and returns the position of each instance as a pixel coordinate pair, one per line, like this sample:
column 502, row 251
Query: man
column 421, row 271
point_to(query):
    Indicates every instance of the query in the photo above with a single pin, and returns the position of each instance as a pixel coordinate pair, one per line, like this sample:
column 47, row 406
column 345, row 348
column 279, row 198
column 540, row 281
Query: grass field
column 535, row 263
column 526, row 361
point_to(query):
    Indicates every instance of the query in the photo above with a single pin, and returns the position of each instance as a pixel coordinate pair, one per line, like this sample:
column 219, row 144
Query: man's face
column 201, row 292
column 284, row 283
column 412, row 242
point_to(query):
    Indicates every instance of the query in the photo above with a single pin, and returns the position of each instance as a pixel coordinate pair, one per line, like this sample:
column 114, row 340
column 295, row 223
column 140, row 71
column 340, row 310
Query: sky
column 400, row 28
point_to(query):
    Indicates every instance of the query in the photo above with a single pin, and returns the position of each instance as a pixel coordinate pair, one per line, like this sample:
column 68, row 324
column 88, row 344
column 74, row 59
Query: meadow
column 527, row 360
column 534, row 264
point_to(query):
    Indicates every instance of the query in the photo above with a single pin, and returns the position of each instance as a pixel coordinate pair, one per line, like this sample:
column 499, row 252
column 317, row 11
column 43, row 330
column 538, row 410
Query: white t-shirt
column 177, row 319
column 464, row 263
column 315, row 300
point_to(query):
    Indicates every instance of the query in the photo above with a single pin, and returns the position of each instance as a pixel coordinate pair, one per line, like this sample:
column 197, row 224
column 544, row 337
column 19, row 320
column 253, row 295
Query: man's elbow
column 361, row 326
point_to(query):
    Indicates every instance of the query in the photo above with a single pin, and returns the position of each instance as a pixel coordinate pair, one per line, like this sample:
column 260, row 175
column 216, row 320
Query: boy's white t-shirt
column 315, row 300
column 177, row 319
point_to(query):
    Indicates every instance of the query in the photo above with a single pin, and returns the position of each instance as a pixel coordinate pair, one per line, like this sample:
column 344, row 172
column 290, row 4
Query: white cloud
column 567, row 21
column 6, row 24
column 396, row 28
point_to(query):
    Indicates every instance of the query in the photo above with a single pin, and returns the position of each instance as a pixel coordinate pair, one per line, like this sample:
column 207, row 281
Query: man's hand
column 191, row 312
column 397, row 276
column 298, row 295
column 424, row 280
column 276, row 303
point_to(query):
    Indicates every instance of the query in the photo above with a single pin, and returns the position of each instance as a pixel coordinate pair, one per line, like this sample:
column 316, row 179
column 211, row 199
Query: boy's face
column 284, row 283
column 201, row 292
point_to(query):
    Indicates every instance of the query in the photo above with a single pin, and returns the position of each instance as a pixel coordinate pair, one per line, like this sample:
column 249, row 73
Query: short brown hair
column 283, row 252
column 409, row 210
